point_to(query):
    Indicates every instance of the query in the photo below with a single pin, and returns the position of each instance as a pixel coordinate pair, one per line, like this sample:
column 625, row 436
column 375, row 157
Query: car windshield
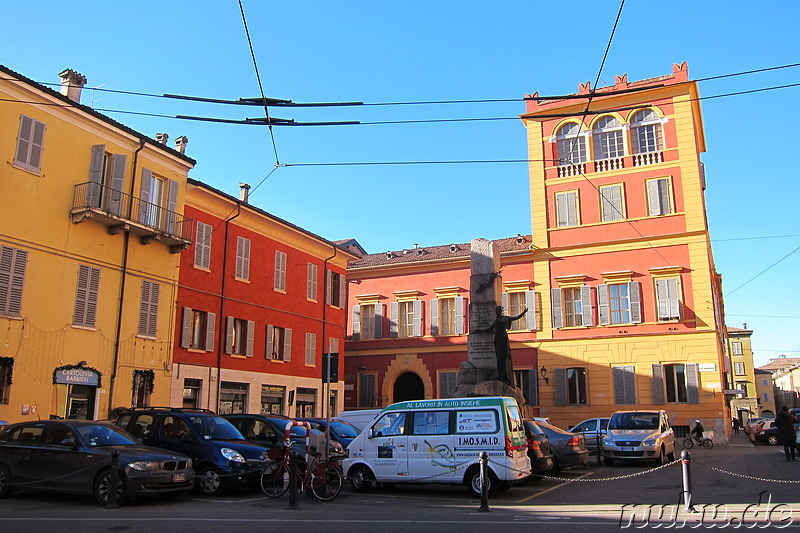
column 634, row 421
column 215, row 428
column 344, row 429
column 102, row 435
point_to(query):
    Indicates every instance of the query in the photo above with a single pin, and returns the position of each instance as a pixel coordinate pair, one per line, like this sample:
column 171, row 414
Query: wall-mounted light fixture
column 543, row 372
column 361, row 369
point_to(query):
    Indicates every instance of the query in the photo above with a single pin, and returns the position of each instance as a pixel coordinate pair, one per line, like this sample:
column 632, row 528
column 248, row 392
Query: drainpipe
column 222, row 322
column 327, row 390
column 125, row 246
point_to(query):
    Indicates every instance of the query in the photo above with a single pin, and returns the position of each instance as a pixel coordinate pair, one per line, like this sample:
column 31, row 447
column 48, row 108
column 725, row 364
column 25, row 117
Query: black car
column 539, row 451
column 341, row 431
column 569, row 449
column 222, row 457
column 76, row 456
column 270, row 431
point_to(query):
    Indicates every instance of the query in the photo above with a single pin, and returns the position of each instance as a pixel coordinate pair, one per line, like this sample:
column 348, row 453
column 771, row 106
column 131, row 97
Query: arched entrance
column 408, row 386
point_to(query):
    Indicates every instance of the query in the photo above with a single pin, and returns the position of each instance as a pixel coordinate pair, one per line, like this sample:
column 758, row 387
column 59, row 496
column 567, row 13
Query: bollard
column 112, row 495
column 483, row 460
column 599, row 448
column 686, row 471
column 293, row 483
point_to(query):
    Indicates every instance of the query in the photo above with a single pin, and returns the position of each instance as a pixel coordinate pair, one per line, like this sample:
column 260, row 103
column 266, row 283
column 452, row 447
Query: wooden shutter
column 635, row 301
column 533, row 387
column 268, row 353
column 202, row 245
column 243, row 258
column 460, row 313
column 211, row 326
column 144, row 195
column 624, row 385
column 561, row 386
column 230, row 331
column 356, row 322
column 342, row 292
column 378, row 318
column 668, row 300
column 95, row 188
column 556, row 306
column 692, row 383
column 251, row 335
column 417, row 326
column 587, row 317
column 186, row 330
column 603, row 309
column 311, row 289
column 152, row 323
column 30, row 142
column 504, row 302
column 148, row 309
column 664, row 196
column 12, row 277
column 92, row 294
column 562, row 216
column 118, row 164
column 530, row 316
column 287, row 344
column 328, row 287
column 393, row 312
column 434, row 312
column 172, row 207
column 658, row 384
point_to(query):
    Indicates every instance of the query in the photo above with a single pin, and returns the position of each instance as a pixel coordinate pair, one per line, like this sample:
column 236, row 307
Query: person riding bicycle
column 697, row 431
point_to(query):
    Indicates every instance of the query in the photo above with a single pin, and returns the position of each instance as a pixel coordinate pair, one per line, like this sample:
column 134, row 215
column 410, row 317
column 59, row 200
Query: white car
column 639, row 435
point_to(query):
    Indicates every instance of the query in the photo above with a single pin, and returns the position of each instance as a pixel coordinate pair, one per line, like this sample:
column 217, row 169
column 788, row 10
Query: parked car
column 341, row 431
column 768, row 433
column 222, row 457
column 539, row 450
column 359, row 418
column 269, row 431
column 75, row 456
column 637, row 435
column 569, row 449
column 753, row 425
column 592, row 429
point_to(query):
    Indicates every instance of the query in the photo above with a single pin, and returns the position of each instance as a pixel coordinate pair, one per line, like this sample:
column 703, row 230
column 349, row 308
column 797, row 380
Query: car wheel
column 361, row 479
column 608, row 461
column 5, row 482
column 671, row 457
column 209, row 482
column 102, row 488
column 556, row 468
column 772, row 439
column 473, row 480
column 659, row 460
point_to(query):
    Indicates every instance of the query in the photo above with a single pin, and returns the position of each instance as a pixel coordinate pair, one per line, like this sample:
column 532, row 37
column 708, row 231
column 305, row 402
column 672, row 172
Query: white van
column 359, row 419
column 438, row 441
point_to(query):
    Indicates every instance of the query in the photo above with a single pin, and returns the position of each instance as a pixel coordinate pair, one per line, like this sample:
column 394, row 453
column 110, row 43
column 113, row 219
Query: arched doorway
column 408, row 386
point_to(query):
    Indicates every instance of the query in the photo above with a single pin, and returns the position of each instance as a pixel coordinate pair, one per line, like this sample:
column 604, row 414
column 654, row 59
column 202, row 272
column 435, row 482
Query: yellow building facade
column 90, row 235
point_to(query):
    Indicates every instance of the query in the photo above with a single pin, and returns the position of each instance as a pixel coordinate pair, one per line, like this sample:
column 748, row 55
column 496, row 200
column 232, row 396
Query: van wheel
column 361, row 479
column 473, row 482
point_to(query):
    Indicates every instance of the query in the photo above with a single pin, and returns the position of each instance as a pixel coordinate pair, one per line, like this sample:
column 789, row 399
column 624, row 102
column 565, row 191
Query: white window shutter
column 229, row 334
column 587, row 317
column 603, row 309
column 460, row 313
column 356, row 322
column 692, row 383
column 417, row 318
column 504, row 302
column 378, row 321
column 186, row 330
column 530, row 316
column 118, row 164
column 556, row 306
column 287, row 344
column 24, row 141
column 269, row 353
column 251, row 335
column 658, row 384
column 393, row 312
column 434, row 312
column 37, row 145
column 635, row 295
column 211, row 326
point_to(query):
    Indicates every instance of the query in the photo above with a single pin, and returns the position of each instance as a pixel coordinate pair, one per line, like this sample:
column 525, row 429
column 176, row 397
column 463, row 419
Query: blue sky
column 412, row 51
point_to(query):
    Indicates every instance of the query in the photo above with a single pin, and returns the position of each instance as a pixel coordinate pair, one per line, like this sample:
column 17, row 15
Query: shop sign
column 77, row 376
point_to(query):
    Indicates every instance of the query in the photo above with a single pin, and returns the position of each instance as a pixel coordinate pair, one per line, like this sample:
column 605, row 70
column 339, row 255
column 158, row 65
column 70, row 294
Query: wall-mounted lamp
column 543, row 372
column 361, row 369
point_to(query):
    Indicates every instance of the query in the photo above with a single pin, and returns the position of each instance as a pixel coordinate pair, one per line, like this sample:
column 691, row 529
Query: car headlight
column 649, row 442
column 232, row 455
column 144, row 466
column 608, row 442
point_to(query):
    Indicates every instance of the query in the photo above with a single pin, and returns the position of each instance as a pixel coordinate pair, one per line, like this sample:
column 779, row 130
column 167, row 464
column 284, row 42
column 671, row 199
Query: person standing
column 785, row 422
column 735, row 426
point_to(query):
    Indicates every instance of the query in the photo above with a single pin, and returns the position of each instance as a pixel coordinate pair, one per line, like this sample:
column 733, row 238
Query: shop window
column 143, row 383
column 6, row 371
column 233, row 398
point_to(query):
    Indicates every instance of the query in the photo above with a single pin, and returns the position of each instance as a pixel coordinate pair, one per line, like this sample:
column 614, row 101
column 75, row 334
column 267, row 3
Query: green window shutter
column 186, row 330
column 211, row 326
column 692, row 383
column 356, row 322
column 603, row 310
column 658, row 384
column 393, row 312
column 556, row 306
column 434, row 317
column 635, row 299
column 561, row 386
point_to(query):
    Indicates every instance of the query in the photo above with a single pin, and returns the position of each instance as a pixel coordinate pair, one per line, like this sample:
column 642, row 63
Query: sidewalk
column 740, row 440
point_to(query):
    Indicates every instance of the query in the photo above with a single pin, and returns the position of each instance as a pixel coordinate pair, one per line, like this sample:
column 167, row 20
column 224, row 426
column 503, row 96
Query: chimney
column 162, row 138
column 244, row 192
column 180, row 144
column 71, row 84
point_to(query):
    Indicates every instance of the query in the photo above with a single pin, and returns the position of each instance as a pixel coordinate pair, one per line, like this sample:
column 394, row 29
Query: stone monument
column 478, row 375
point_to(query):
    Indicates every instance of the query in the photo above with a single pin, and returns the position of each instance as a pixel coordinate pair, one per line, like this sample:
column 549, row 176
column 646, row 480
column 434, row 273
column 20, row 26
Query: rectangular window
column 334, row 289
column 567, row 209
column 659, row 198
column 13, row 263
column 675, row 381
column 738, row 368
column 366, row 391
column 311, row 286
column 142, row 388
column 106, row 178
column 272, row 398
column 240, row 336
column 86, row 296
column 243, row 259
column 148, row 309
column 736, row 347
column 191, row 393
column 517, row 303
column 202, row 245
column 279, row 343
column 767, row 397
column 611, row 203
column 608, row 144
column 572, row 307
column 405, row 319
column 311, row 349
column 198, row 329
column 447, row 316
column 30, row 142
column 431, row 423
column 447, row 384
column 527, row 383
column 619, row 303
column 576, row 386
column 478, row 421
column 280, row 271
column 6, row 369
column 624, row 384
column 233, row 398
column 367, row 321
column 668, row 297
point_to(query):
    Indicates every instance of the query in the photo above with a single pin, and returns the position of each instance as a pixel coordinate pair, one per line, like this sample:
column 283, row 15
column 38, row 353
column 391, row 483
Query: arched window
column 607, row 138
column 571, row 145
column 646, row 140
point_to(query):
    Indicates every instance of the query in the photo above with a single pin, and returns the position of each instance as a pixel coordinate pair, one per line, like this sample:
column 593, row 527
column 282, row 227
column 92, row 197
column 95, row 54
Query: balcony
column 648, row 158
column 571, row 170
column 613, row 163
column 123, row 212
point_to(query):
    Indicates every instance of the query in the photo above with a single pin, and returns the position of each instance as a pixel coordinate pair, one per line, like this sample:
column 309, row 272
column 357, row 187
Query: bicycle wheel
column 708, row 444
column 326, row 480
column 688, row 442
column 275, row 479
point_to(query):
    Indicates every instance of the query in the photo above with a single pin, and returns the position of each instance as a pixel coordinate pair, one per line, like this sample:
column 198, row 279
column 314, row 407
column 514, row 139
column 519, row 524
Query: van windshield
column 640, row 420
column 215, row 428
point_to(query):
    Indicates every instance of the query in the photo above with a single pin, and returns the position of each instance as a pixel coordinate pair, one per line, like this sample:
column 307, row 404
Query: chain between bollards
column 483, row 464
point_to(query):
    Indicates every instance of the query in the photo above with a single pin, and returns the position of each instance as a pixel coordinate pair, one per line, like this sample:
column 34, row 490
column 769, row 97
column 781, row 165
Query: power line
column 756, row 238
column 763, row 271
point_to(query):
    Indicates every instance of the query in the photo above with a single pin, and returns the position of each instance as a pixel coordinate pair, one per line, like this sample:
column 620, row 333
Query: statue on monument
column 502, row 346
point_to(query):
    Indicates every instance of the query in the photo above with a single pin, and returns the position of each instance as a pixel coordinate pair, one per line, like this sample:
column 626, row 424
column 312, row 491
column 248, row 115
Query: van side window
column 478, row 421
column 431, row 423
column 389, row 425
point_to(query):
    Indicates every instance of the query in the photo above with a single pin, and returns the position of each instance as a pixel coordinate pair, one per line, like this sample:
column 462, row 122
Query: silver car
column 639, row 435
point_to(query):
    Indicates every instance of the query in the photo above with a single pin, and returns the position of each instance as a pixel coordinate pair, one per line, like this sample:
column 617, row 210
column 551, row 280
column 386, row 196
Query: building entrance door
column 80, row 402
